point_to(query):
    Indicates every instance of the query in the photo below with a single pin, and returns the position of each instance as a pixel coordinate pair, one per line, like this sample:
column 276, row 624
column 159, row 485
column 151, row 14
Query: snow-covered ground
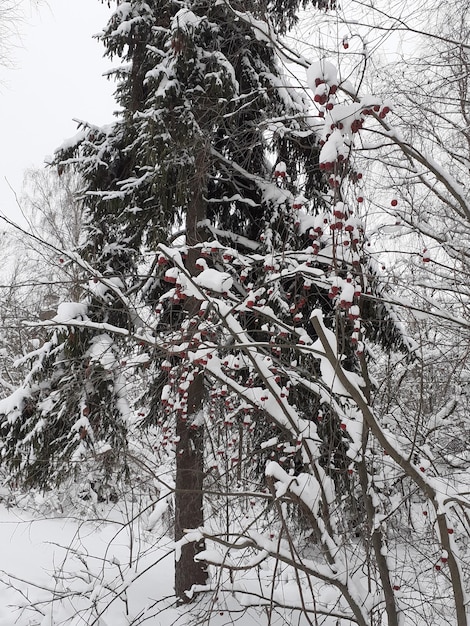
column 81, row 565
column 61, row 570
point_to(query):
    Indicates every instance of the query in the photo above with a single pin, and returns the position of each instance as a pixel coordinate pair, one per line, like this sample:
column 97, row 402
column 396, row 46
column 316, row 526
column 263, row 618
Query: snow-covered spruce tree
column 212, row 139
column 199, row 154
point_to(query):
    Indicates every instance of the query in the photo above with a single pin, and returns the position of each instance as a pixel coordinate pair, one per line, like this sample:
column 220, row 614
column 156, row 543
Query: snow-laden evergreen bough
column 231, row 309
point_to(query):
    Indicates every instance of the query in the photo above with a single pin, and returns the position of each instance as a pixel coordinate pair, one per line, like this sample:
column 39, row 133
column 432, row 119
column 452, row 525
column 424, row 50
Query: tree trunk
column 189, row 494
column 190, row 451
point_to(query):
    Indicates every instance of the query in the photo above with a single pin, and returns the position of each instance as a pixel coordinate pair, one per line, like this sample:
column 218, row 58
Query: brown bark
column 190, row 451
column 189, row 495
column 375, row 535
column 410, row 470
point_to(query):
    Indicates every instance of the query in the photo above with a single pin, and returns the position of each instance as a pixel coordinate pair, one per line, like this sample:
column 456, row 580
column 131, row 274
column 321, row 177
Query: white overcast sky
column 57, row 77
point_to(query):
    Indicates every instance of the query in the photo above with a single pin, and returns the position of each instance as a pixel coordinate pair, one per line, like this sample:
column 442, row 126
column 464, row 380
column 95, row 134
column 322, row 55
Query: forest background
column 235, row 331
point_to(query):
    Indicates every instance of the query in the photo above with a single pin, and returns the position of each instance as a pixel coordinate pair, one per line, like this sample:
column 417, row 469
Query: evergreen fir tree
column 210, row 139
